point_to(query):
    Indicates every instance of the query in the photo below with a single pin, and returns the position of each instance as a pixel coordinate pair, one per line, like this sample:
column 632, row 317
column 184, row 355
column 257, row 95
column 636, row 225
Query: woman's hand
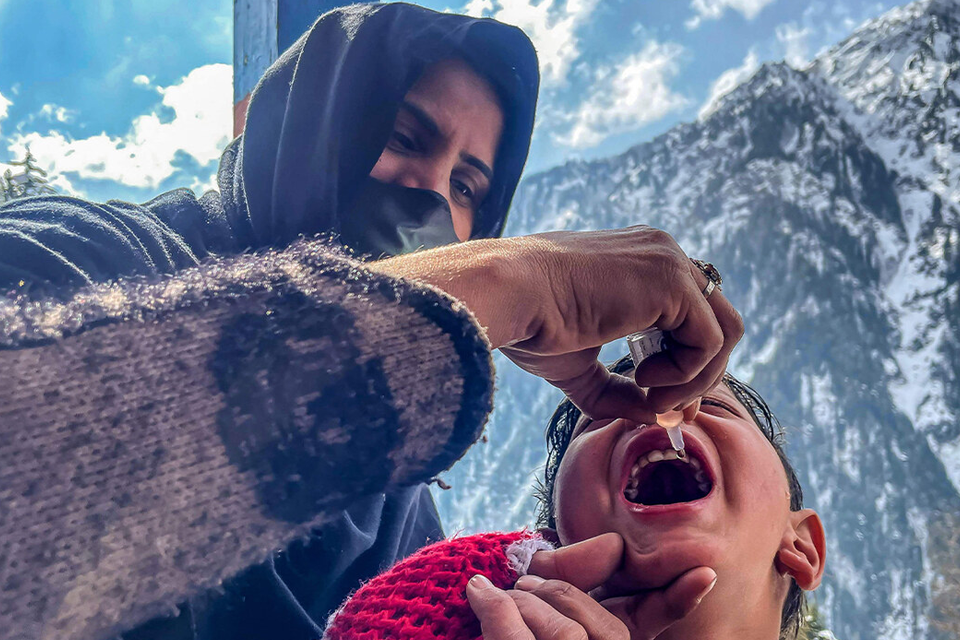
column 550, row 301
column 558, row 608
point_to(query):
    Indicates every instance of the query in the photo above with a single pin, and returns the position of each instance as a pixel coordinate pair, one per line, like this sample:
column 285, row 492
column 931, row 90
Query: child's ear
column 803, row 549
column 550, row 535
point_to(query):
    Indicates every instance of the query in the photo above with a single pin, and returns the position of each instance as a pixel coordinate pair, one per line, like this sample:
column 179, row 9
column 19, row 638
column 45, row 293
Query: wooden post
column 262, row 29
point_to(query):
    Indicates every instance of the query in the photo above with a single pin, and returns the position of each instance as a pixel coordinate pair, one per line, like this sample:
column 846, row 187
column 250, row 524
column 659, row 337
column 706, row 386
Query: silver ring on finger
column 711, row 286
column 710, row 272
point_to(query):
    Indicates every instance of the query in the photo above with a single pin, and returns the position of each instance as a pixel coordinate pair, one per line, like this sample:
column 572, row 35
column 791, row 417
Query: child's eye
column 591, row 425
column 717, row 403
column 580, row 428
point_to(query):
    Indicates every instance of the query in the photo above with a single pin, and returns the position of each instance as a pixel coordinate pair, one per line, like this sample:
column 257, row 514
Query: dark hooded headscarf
column 321, row 115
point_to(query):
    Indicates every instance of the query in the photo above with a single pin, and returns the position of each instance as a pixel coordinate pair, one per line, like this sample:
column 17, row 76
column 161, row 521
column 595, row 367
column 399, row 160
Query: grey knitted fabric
column 158, row 437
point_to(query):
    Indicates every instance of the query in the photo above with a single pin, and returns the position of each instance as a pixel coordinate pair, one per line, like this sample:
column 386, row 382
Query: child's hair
column 564, row 419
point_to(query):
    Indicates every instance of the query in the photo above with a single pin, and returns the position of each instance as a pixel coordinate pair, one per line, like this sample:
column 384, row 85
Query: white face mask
column 388, row 220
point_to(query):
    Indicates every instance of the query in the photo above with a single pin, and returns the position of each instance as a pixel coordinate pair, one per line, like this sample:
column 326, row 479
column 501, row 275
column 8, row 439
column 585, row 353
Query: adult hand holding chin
column 550, row 301
column 552, row 602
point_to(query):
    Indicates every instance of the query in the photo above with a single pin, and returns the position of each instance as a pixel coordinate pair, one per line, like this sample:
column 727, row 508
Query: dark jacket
column 278, row 410
column 316, row 124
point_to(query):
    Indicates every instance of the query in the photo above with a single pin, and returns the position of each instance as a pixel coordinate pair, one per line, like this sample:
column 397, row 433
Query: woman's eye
column 404, row 141
column 465, row 192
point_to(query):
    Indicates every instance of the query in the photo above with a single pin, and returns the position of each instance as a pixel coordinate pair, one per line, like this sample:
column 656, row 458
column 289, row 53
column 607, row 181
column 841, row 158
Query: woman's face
column 445, row 139
column 727, row 506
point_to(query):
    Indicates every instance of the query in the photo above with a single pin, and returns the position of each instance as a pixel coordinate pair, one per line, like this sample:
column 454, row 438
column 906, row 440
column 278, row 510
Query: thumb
column 586, row 565
column 600, row 394
column 649, row 614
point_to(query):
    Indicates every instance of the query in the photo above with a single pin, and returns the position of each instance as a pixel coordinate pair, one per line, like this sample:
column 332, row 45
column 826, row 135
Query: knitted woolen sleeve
column 424, row 596
column 157, row 437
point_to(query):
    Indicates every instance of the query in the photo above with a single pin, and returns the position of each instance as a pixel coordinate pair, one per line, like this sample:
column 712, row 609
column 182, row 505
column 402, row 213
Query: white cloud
column 713, row 9
column 821, row 26
column 4, row 107
column 633, row 93
column 201, row 186
column 200, row 128
column 551, row 26
column 795, row 42
column 727, row 81
column 56, row 113
column 141, row 80
column 478, row 7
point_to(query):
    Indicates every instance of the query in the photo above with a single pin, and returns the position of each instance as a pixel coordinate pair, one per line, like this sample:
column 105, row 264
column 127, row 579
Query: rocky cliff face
column 829, row 198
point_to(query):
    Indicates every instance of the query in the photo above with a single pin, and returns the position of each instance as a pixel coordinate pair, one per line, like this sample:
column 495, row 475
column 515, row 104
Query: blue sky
column 128, row 98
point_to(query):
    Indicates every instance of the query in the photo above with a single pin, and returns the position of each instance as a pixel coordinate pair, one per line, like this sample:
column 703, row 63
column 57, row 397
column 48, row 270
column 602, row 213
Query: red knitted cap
column 424, row 596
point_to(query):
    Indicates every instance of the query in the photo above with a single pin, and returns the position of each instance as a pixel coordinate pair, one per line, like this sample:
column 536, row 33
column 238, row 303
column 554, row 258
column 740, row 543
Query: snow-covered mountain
column 829, row 198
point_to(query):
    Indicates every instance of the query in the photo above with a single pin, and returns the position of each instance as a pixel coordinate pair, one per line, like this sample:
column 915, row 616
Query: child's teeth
column 666, row 455
column 661, row 455
column 632, row 490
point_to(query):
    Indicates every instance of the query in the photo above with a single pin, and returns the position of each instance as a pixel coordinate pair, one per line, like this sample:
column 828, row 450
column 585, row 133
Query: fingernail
column 707, row 589
column 529, row 582
column 481, row 582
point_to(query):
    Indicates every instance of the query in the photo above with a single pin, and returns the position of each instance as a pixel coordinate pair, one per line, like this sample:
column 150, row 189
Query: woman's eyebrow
column 423, row 118
column 479, row 164
column 426, row 121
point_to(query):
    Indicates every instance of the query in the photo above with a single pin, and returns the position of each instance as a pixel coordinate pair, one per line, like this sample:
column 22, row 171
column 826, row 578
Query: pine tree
column 31, row 180
column 8, row 190
column 814, row 628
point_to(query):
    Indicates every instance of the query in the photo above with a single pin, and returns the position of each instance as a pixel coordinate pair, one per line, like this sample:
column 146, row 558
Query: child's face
column 727, row 506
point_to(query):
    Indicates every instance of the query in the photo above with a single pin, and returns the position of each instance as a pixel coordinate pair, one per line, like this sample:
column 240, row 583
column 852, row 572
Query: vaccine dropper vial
column 642, row 345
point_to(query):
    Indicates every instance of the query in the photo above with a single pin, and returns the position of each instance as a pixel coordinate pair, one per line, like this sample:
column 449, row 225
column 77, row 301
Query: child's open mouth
column 659, row 477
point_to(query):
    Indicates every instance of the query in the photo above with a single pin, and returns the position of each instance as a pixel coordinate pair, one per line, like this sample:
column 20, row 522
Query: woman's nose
column 429, row 177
